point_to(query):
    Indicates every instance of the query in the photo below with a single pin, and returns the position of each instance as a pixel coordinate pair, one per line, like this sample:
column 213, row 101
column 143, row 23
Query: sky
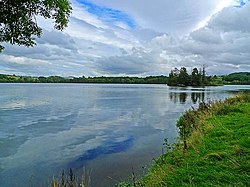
column 138, row 38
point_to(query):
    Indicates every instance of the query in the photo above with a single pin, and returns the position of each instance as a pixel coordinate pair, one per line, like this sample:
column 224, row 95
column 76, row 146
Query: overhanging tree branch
column 18, row 24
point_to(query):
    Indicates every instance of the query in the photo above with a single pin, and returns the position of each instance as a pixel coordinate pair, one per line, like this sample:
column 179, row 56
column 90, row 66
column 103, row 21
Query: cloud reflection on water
column 83, row 123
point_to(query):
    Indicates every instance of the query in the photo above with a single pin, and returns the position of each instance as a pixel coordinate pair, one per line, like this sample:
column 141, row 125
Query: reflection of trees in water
column 178, row 97
column 173, row 97
column 181, row 97
column 197, row 96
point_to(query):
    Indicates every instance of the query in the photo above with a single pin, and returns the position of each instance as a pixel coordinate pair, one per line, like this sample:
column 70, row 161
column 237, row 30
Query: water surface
column 108, row 129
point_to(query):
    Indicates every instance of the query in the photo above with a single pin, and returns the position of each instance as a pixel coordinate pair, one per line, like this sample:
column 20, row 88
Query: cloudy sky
column 139, row 38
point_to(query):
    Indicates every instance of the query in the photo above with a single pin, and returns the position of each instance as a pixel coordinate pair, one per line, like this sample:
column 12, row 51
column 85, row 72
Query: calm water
column 106, row 129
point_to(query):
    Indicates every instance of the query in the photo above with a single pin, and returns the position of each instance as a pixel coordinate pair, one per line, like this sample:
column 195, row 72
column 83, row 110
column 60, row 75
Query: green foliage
column 199, row 78
column 215, row 81
column 182, row 78
column 187, row 122
column 195, row 77
column 226, row 109
column 58, row 79
column 167, row 145
column 173, row 79
column 237, row 78
column 18, row 23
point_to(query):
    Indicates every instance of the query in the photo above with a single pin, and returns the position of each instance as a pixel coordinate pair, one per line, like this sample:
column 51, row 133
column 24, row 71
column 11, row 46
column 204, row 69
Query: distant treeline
column 176, row 78
column 109, row 80
column 198, row 77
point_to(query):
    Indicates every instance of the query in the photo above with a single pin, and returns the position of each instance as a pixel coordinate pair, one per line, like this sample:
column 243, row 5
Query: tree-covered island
column 198, row 77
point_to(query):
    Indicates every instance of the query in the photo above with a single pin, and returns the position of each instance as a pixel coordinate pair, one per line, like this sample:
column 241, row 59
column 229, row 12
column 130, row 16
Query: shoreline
column 213, row 148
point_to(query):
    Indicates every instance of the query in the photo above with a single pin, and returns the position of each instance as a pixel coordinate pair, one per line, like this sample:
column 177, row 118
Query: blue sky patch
column 108, row 14
column 241, row 3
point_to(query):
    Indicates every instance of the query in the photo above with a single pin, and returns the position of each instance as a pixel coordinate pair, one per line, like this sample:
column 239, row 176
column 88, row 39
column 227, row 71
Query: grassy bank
column 214, row 148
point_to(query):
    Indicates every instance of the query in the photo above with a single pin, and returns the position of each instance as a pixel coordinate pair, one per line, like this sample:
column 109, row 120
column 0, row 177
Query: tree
column 173, row 75
column 18, row 23
column 195, row 77
column 204, row 79
column 183, row 77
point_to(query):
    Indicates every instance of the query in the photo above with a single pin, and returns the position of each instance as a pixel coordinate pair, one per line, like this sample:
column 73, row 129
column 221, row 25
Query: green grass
column 216, row 152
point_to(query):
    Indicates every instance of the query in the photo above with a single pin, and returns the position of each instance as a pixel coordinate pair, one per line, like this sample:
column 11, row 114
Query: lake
column 109, row 130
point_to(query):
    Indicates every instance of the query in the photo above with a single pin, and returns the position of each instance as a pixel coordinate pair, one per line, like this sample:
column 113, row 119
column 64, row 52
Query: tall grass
column 70, row 180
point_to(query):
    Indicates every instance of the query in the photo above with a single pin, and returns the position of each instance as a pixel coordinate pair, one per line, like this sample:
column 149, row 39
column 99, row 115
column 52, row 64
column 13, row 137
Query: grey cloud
column 145, row 35
column 232, row 19
column 234, row 59
column 127, row 65
column 207, row 35
column 51, row 45
column 15, row 50
column 86, row 27
column 57, row 38
column 40, row 52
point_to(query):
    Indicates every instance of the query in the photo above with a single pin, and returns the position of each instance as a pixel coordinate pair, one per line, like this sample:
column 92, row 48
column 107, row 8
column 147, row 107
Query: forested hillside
column 237, row 78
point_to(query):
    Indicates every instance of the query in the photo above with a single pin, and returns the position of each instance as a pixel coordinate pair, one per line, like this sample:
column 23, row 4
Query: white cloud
column 174, row 17
column 22, row 60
